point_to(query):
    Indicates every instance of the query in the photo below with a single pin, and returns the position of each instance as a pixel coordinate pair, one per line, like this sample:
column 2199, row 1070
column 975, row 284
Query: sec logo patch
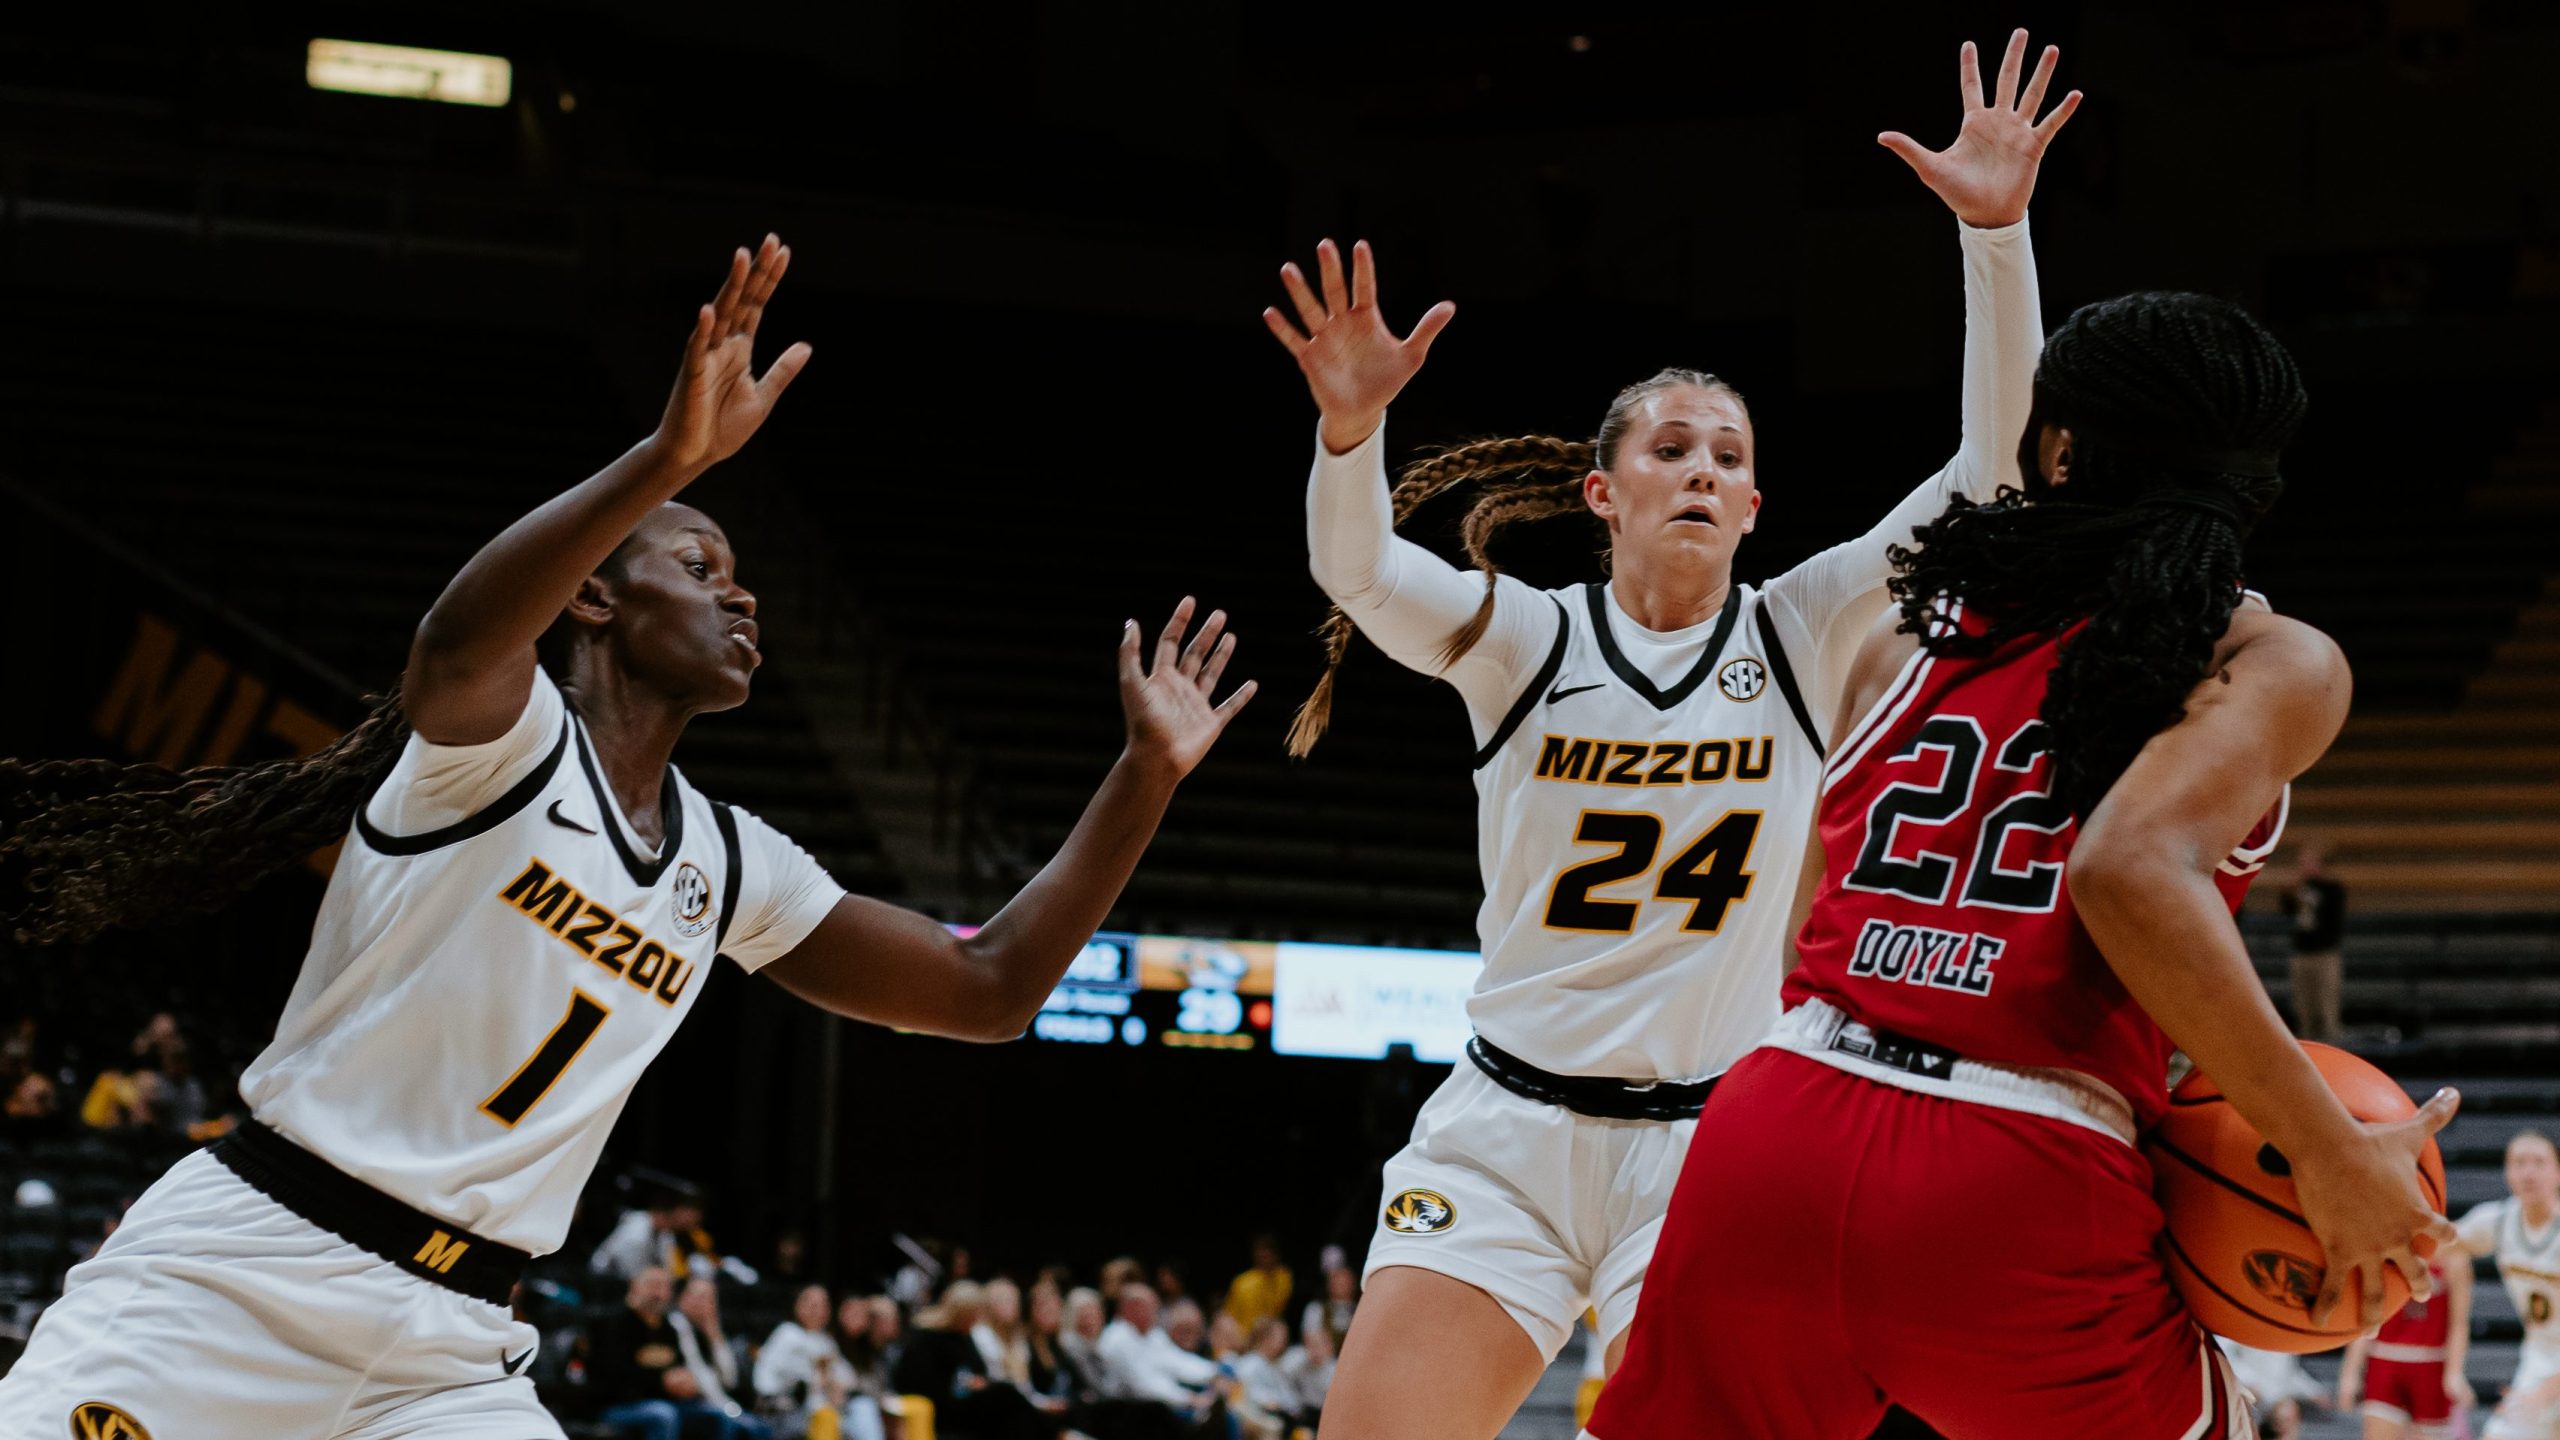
column 1420, row 1212
column 98, row 1420
column 693, row 900
column 1743, row 679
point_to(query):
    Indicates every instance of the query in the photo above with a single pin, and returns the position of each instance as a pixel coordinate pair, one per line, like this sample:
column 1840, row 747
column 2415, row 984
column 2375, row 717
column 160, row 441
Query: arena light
column 356, row 67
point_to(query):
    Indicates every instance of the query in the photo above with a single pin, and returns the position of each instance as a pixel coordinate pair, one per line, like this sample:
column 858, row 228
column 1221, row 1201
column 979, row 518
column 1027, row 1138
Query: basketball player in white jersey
column 1649, row 755
column 529, row 899
column 2522, row 1233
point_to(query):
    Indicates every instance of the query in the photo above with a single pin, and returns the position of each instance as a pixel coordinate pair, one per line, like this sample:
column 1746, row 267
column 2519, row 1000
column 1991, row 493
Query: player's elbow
column 2109, row 881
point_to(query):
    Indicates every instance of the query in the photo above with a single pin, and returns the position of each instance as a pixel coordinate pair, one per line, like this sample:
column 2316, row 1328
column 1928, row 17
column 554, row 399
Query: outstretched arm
column 1986, row 177
column 2141, row 878
column 471, row 664
column 874, row 961
column 1408, row 601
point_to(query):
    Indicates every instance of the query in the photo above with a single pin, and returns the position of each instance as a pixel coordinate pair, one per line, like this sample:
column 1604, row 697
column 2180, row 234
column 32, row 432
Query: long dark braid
column 1527, row 478
column 94, row 844
column 90, row 845
column 2178, row 406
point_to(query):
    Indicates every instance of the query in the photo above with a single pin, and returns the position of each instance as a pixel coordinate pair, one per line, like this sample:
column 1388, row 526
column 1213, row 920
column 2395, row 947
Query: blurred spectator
column 1145, row 1363
column 1268, row 1384
column 800, row 1374
column 33, row 1110
column 177, row 1097
column 866, row 1335
column 942, row 1363
column 1311, row 1365
column 119, row 1099
column 706, row 1350
column 666, row 1233
column 1226, row 1338
column 1333, row 1312
column 2317, row 904
column 1000, row 1337
column 1096, row 1401
column 1184, row 1325
column 1171, row 1283
column 790, row 1259
column 1262, row 1292
column 637, row 1373
column 1117, row 1275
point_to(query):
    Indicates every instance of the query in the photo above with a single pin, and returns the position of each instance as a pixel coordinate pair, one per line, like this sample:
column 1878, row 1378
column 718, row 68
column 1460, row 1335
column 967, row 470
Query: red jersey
column 1943, row 916
column 2420, row 1325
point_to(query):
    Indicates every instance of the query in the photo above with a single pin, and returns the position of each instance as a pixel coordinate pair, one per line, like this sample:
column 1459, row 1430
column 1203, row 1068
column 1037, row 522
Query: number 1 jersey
column 1943, row 916
column 1640, row 844
column 496, row 961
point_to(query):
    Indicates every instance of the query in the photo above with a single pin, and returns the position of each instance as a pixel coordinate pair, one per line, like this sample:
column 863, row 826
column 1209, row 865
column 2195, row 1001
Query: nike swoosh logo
column 557, row 818
column 517, row 1363
column 1560, row 693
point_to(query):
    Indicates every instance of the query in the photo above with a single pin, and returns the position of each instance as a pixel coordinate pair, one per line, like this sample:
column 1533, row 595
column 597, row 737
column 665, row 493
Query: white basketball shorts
column 214, row 1313
column 1547, row 1211
column 2533, row 1370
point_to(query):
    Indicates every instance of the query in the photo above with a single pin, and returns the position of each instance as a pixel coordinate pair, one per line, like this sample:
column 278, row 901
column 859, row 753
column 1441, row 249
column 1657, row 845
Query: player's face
column 2533, row 1171
column 683, row 620
column 1680, row 494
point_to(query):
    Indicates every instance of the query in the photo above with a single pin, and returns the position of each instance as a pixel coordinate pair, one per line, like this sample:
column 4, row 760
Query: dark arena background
column 275, row 360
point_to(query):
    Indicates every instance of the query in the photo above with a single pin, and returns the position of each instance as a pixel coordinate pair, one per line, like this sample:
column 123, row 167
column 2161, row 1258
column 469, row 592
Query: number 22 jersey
column 496, row 961
column 1943, row 916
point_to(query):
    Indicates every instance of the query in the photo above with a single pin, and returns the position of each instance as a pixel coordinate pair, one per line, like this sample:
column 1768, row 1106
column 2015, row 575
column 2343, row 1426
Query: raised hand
column 1353, row 363
column 719, row 401
column 2364, row 1203
column 1170, row 715
column 1989, row 173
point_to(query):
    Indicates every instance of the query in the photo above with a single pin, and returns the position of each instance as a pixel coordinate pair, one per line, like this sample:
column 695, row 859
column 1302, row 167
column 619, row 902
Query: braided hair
column 90, row 845
column 2178, row 407
column 1526, row 478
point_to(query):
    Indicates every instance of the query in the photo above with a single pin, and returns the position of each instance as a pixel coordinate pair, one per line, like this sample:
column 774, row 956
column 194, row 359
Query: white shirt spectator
column 796, row 1367
column 714, row 1367
column 1150, row 1366
column 1268, row 1385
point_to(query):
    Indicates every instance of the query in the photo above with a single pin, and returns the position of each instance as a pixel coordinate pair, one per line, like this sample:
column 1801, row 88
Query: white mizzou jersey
column 1640, row 844
column 496, row 961
column 2529, row 1263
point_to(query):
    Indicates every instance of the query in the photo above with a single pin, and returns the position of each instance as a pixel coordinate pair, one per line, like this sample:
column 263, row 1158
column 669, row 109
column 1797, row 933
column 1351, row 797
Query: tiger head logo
column 1420, row 1212
column 98, row 1420
column 2288, row 1280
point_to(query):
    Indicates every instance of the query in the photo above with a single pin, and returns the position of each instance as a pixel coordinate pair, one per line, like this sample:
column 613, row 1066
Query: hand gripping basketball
column 2264, row 1246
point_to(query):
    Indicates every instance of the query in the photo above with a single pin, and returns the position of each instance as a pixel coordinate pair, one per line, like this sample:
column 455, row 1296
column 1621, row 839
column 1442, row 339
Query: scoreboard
column 1188, row 992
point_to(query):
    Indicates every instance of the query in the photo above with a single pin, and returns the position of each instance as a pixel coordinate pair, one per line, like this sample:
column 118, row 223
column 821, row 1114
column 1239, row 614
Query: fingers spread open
column 1433, row 321
column 1311, row 312
column 1169, row 641
column 1364, row 275
column 1235, row 702
column 1329, row 271
column 784, row 369
column 1913, row 153
column 725, row 304
column 761, row 284
column 2373, row 1313
column 2333, row 1288
column 2414, row 1270
column 2052, row 124
column 2033, row 100
column 1203, row 642
column 2011, row 62
column 1217, row 665
column 1131, row 674
column 1282, row 331
column 1969, row 77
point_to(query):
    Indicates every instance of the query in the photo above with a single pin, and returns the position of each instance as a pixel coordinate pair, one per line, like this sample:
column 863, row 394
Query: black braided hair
column 91, row 845
column 2178, row 406
column 1526, row 478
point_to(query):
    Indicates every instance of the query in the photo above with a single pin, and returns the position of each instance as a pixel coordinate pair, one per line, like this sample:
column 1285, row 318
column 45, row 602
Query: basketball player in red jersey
column 2410, row 1372
column 2075, row 752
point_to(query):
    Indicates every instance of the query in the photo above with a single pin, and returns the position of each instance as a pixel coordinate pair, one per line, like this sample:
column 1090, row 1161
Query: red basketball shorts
column 2409, row 1391
column 1837, row 1244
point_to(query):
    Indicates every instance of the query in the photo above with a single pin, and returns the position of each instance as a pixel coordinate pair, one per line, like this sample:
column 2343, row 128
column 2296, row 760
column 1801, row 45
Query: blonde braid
column 1549, row 475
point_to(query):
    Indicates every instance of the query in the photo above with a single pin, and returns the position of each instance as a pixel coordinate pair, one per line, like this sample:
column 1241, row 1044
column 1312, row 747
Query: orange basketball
column 2237, row 1248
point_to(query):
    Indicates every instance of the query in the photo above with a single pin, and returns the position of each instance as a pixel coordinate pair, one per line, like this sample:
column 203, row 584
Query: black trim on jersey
column 728, row 823
column 390, row 1228
column 1785, row 674
column 1597, row 1096
column 1528, row 700
column 1635, row 678
column 487, row 818
column 670, row 818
